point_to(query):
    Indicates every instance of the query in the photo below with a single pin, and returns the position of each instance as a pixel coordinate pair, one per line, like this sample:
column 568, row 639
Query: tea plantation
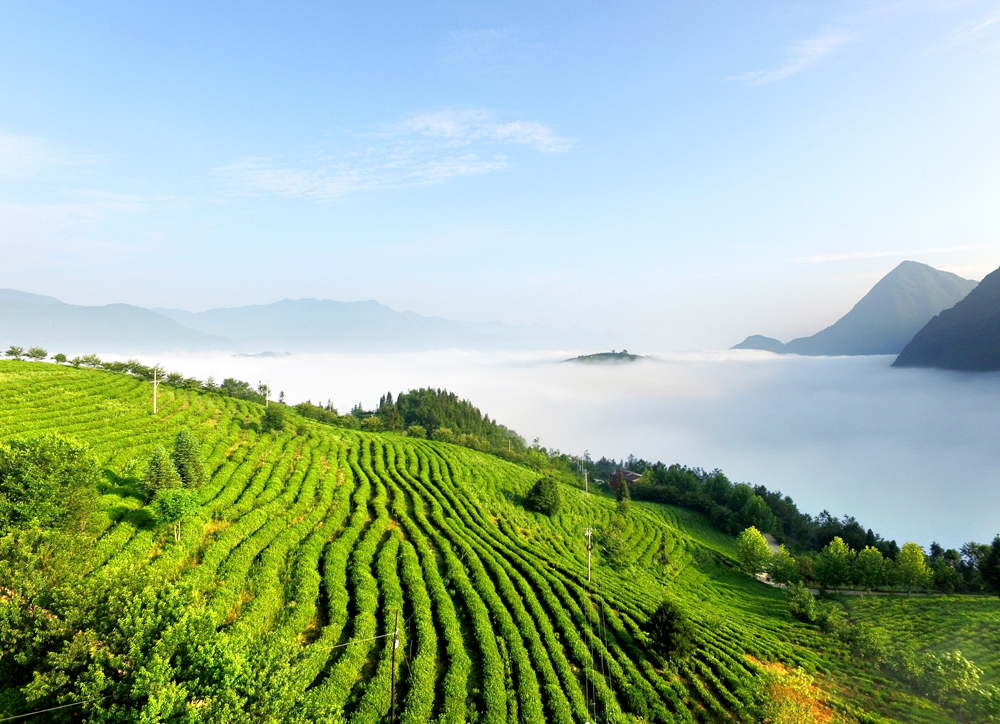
column 278, row 601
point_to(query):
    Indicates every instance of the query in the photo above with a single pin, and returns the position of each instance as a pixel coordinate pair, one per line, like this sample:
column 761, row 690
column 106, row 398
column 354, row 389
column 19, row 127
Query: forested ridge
column 274, row 597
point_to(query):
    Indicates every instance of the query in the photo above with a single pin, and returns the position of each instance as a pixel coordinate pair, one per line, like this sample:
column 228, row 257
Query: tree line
column 975, row 570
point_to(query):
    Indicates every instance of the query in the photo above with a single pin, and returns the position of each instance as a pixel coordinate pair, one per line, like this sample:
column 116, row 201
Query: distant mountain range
column 32, row 319
column 299, row 325
column 885, row 319
column 965, row 337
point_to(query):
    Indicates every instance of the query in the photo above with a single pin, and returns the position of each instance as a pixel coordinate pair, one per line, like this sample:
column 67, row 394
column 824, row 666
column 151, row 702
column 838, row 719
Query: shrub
column 544, row 496
column 443, row 434
column 417, row 431
column 273, row 418
column 670, row 632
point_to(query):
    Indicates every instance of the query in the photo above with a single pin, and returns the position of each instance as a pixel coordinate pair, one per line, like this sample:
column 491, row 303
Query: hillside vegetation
column 277, row 599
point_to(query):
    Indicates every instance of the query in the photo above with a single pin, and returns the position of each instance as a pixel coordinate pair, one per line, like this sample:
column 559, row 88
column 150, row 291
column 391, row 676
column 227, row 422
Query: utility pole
column 156, row 383
column 392, row 694
column 590, row 546
column 586, row 485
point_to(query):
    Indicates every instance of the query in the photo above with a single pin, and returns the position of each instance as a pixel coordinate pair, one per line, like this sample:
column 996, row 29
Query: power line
column 42, row 711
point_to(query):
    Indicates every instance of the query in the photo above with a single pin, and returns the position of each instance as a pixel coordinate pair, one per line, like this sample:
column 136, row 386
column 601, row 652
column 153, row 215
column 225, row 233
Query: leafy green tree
column 990, row 567
column 187, row 459
column 76, row 361
column 91, row 360
column 417, row 431
column 47, row 479
column 753, row 551
column 160, row 473
column 671, row 632
column 15, row 352
column 834, row 566
column 273, row 418
column 174, row 505
column 613, row 541
column 782, row 568
column 36, row 353
column 544, row 496
column 911, row 567
column 869, row 568
column 623, row 495
column 801, row 603
column 59, row 358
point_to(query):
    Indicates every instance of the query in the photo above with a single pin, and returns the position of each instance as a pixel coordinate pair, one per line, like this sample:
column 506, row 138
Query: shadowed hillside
column 965, row 337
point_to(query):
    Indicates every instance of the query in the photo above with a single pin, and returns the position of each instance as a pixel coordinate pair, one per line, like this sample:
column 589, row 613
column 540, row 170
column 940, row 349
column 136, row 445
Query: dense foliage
column 44, row 479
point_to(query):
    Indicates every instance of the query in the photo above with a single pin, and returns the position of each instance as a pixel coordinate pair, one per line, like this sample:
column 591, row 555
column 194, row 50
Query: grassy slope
column 317, row 535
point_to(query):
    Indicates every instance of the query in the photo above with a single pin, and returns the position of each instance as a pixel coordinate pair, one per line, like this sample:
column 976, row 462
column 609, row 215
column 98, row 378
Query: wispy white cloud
column 985, row 28
column 421, row 149
column 860, row 255
column 462, row 127
column 802, row 57
column 27, row 156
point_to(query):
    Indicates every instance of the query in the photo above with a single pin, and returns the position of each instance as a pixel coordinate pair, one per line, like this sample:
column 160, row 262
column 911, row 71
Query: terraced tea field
column 316, row 537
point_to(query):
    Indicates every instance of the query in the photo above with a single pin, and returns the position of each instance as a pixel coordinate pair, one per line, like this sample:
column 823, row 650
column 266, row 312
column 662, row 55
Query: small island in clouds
column 611, row 357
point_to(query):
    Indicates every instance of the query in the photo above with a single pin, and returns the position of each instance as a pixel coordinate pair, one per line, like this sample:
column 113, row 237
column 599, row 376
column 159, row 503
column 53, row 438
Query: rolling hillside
column 286, row 582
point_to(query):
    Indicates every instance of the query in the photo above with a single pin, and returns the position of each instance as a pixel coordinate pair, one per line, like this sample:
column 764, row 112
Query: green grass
column 315, row 537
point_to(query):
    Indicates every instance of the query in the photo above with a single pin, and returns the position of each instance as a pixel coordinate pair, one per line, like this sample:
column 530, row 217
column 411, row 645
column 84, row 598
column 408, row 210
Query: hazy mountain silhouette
column 885, row 319
column 317, row 325
column 28, row 320
column 965, row 337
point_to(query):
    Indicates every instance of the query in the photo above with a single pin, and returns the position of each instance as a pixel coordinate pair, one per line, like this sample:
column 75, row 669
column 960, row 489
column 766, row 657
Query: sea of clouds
column 913, row 454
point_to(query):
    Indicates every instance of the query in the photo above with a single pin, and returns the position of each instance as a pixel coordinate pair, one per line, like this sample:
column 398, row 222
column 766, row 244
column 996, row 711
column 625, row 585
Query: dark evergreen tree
column 671, row 632
column 624, row 495
column 187, row 459
column 991, row 567
column 544, row 496
column 160, row 473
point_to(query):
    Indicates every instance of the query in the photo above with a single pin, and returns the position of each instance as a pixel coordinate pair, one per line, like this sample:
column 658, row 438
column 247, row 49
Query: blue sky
column 682, row 173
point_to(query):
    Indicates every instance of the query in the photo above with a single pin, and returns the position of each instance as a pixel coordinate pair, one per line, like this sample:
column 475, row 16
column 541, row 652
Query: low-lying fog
column 913, row 454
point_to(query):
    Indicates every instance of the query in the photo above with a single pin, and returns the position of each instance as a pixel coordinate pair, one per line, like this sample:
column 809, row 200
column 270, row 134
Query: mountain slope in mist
column 965, row 337
column 32, row 319
column 885, row 319
column 323, row 325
